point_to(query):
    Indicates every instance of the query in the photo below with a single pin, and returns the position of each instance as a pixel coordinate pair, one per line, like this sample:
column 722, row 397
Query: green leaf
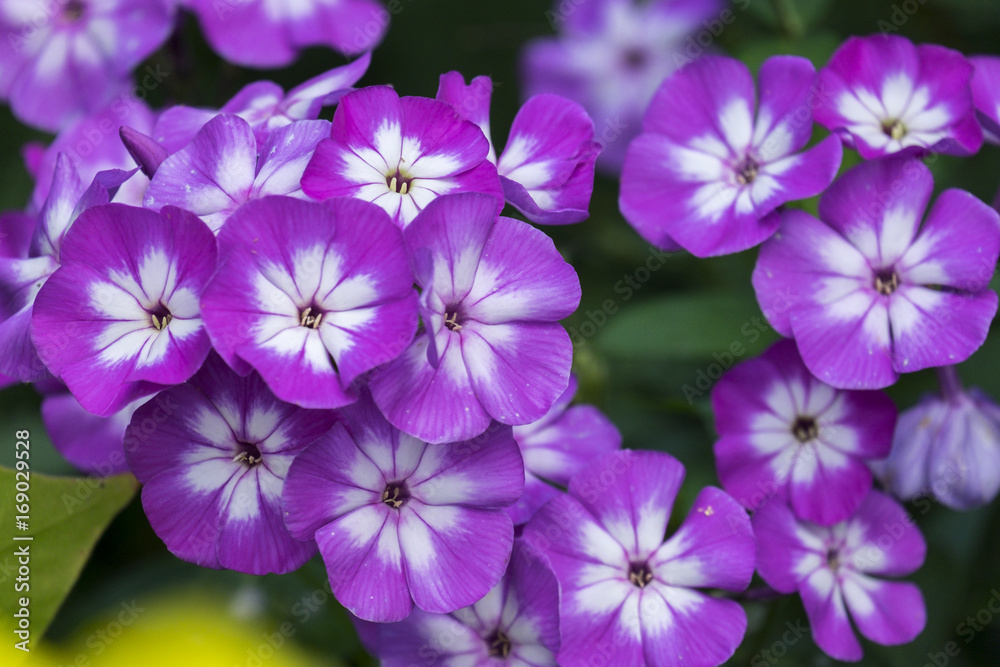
column 691, row 326
column 66, row 517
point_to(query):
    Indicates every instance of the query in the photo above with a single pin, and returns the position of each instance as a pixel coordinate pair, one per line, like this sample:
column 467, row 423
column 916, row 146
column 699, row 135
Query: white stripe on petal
column 736, row 122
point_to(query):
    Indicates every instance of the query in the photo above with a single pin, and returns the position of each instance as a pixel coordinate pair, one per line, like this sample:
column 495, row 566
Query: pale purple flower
column 271, row 33
column 92, row 444
column 547, row 168
column 986, row 95
column 515, row 624
column 882, row 95
column 224, row 167
column 867, row 291
column 120, row 317
column 399, row 153
column 401, row 523
column 93, row 145
column 611, row 55
column 262, row 104
column 33, row 254
column 558, row 446
column 784, row 433
column 834, row 570
column 60, row 61
column 310, row 295
column 711, row 167
column 493, row 292
column 214, row 470
column 948, row 447
column 628, row 595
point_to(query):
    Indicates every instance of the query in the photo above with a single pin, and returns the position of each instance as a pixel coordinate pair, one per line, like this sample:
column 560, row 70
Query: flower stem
column 951, row 384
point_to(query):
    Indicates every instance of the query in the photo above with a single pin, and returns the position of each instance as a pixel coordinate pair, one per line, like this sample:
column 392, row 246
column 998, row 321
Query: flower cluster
column 316, row 333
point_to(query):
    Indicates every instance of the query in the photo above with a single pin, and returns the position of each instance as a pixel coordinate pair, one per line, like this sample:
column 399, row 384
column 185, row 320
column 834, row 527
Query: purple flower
column 627, row 595
column 214, row 466
column 610, row 57
column 831, row 568
column 558, row 446
column 515, row 624
column 271, row 33
column 400, row 522
column 224, row 167
column 92, row 444
column 93, row 145
column 310, row 295
column 34, row 254
column 867, row 291
column 120, row 317
column 547, row 169
column 986, row 95
column 784, row 433
column 263, row 104
column 883, row 95
column 60, row 61
column 493, row 292
column 946, row 446
column 705, row 175
column 399, row 153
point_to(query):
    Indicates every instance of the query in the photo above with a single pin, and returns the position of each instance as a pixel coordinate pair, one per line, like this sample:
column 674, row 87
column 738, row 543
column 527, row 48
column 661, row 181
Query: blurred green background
column 639, row 355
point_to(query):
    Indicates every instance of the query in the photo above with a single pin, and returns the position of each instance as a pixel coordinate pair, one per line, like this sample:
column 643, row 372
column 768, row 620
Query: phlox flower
column 120, row 317
column 91, row 443
column 783, row 432
column 834, row 569
column 884, row 95
column 310, row 295
column 515, row 624
column 626, row 594
column 558, row 446
column 711, row 166
column 986, row 95
column 867, row 291
column 60, row 61
column 399, row 153
column 493, row 292
column 271, row 33
column 401, row 523
column 948, row 447
column 224, row 167
column 214, row 465
column 547, row 168
column 610, row 56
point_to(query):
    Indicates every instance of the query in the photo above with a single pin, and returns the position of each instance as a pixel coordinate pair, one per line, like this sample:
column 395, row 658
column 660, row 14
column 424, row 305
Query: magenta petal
column 436, row 540
column 780, row 545
column 362, row 556
column 886, row 612
column 690, row 628
column 828, row 621
column 472, row 101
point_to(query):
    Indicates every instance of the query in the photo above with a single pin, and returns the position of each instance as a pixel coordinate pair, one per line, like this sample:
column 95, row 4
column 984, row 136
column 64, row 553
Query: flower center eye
column 747, row 170
column 398, row 183
column 451, row 320
column 805, row 429
column 73, row 10
column 635, row 58
column 833, row 558
column 886, row 282
column 247, row 453
column 310, row 318
column 160, row 317
column 894, row 128
column 499, row 644
column 639, row 574
column 395, row 495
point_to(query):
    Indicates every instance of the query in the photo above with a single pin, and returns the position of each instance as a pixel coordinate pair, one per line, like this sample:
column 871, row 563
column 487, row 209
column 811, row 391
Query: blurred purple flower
column 986, row 95
column 610, row 56
column 61, row 61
